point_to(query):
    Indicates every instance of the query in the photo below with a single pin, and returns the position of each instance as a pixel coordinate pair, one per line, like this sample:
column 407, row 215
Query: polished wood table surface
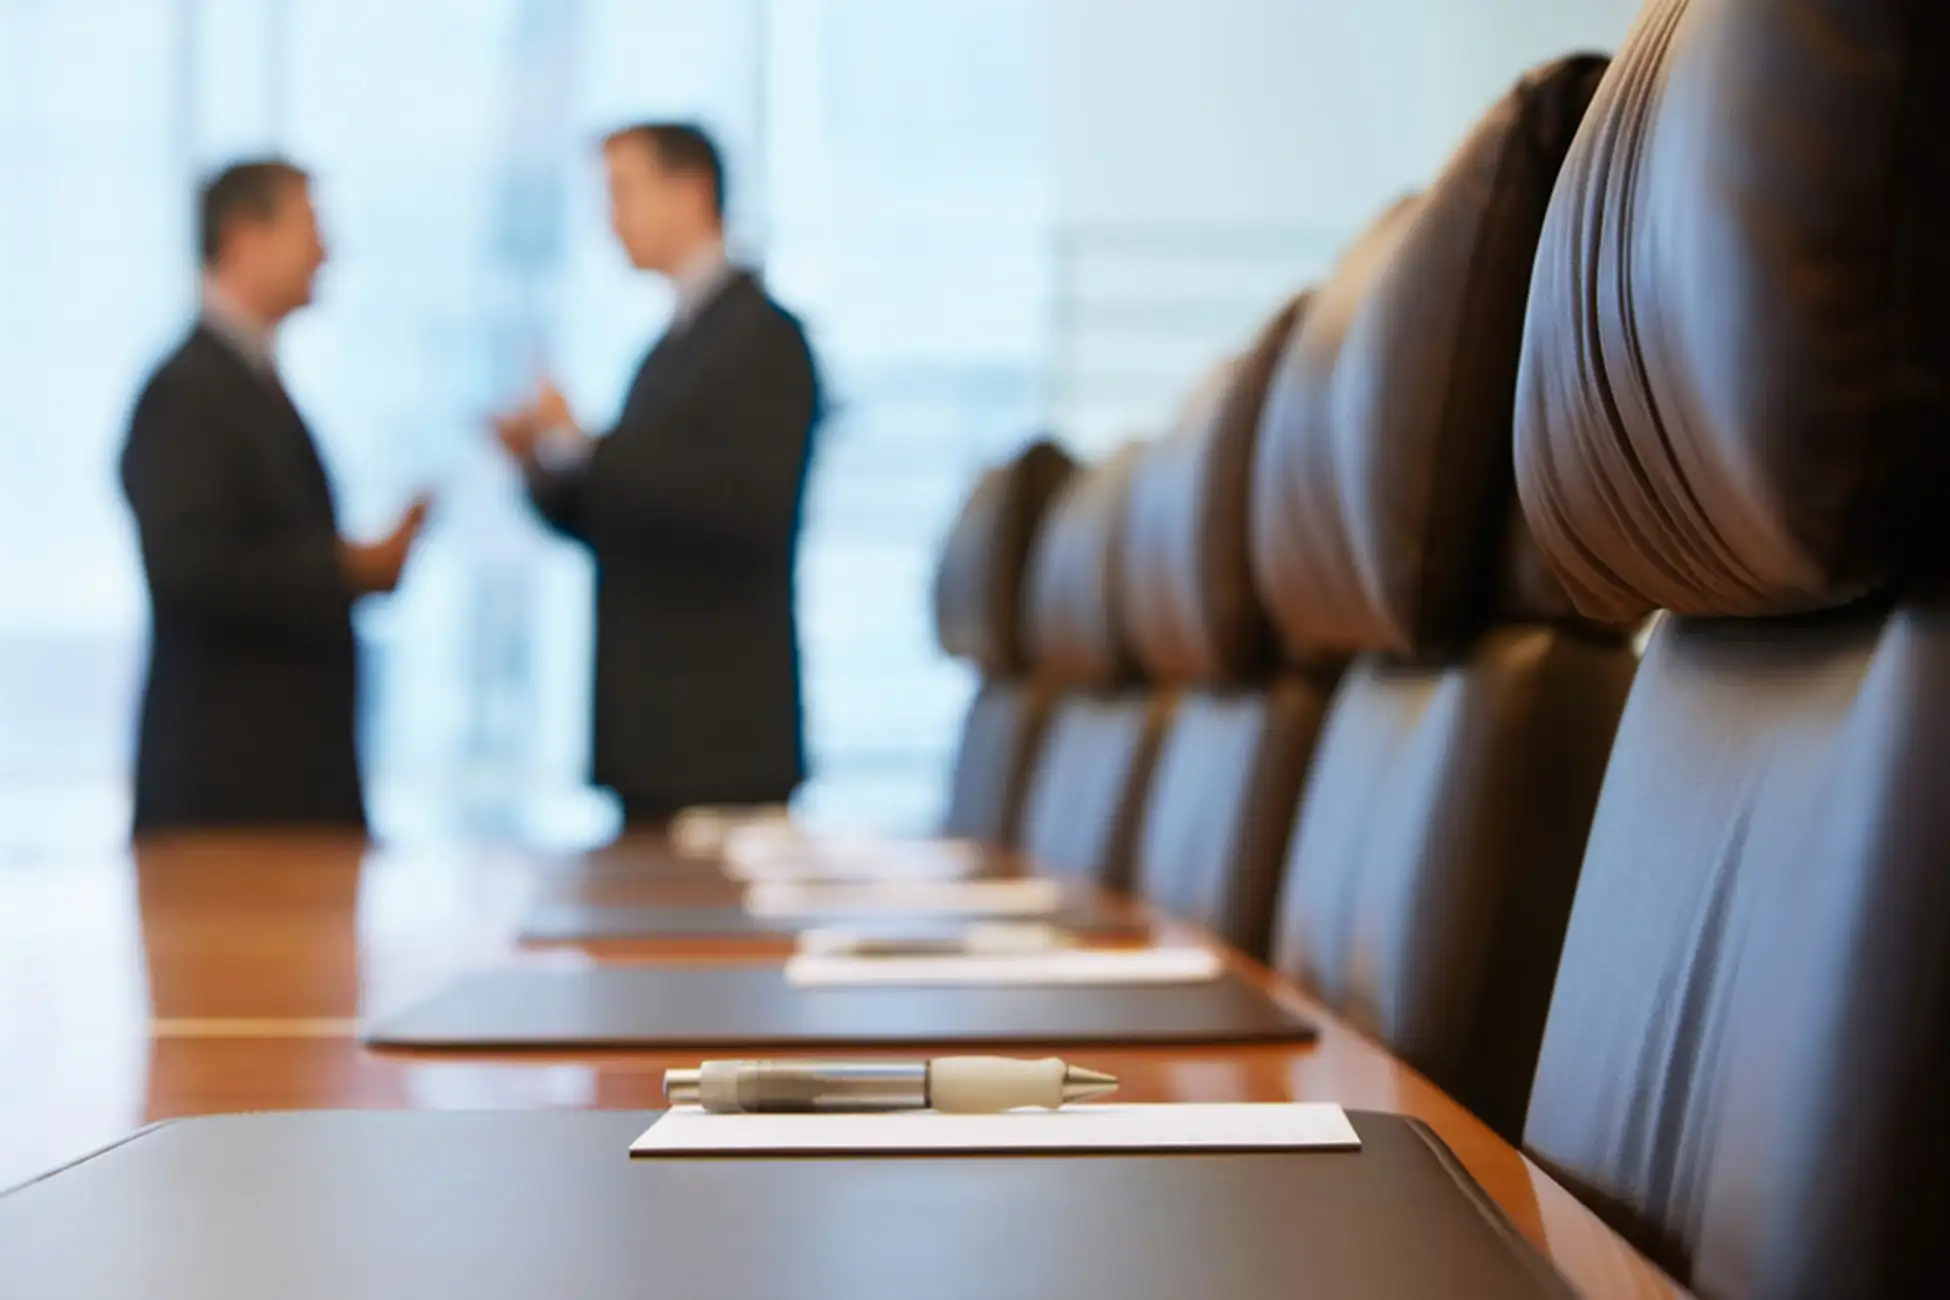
column 221, row 974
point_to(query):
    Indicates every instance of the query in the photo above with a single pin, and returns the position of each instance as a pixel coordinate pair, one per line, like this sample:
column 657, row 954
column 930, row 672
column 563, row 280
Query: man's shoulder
column 196, row 382
column 782, row 334
column 761, row 309
column 186, row 370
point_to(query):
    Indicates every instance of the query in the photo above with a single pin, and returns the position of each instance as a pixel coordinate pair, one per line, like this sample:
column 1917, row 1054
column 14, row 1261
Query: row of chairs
column 1292, row 671
column 1342, row 666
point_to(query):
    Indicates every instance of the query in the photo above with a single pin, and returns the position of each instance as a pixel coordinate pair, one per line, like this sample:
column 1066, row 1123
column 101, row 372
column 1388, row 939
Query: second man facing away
column 690, row 505
column 249, row 711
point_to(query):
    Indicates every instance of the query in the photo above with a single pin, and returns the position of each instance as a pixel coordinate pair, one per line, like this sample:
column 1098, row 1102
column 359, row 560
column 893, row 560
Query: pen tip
column 1080, row 1084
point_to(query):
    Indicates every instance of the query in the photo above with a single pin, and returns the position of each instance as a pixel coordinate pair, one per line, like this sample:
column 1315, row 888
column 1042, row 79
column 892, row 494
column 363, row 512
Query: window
column 886, row 170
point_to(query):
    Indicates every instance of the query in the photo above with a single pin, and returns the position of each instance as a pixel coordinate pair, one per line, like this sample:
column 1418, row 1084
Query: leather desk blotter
column 722, row 1006
column 566, row 922
column 539, row 1206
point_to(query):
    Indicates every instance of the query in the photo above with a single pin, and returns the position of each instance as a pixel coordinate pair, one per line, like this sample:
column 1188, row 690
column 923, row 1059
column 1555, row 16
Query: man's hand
column 546, row 419
column 551, row 409
column 519, row 432
column 374, row 568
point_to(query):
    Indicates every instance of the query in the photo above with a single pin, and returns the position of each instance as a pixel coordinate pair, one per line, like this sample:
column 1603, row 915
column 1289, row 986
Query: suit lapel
column 275, row 419
column 716, row 310
column 667, row 372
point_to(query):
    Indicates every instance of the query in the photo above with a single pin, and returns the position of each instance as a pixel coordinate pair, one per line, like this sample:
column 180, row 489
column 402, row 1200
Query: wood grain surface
column 215, row 974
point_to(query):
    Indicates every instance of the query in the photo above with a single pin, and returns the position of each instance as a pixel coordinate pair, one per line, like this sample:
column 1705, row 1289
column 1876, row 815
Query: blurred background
column 996, row 216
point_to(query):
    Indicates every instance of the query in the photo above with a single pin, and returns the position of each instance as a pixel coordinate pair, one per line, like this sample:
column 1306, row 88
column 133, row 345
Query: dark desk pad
column 588, row 879
column 651, row 861
column 561, row 922
column 648, row 860
column 711, row 1006
column 548, row 1205
column 644, row 876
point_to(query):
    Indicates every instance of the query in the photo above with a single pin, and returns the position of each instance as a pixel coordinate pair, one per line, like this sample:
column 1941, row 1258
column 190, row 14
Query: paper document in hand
column 1029, row 897
column 692, row 1131
column 1064, row 966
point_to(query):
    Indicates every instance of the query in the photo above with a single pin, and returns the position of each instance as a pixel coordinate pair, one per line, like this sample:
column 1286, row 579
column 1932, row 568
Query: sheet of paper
column 1035, row 896
column 692, row 1131
column 706, row 831
column 1063, row 966
column 756, row 839
column 924, row 938
column 851, row 858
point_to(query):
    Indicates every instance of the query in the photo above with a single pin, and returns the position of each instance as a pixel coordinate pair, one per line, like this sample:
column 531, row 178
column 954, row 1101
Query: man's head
column 666, row 193
column 259, row 235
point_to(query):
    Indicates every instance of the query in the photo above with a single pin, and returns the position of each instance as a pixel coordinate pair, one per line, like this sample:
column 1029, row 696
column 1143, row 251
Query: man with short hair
column 248, row 716
column 690, row 505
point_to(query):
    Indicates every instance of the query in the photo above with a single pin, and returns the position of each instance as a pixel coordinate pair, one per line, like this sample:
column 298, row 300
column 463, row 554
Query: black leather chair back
column 979, row 604
column 1221, row 801
column 1093, row 771
column 1735, row 404
column 1441, row 830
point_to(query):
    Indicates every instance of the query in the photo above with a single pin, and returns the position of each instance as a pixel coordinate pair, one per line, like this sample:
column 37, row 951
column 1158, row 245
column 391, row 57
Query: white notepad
column 1063, row 966
column 1031, row 897
column 704, row 831
column 967, row 939
column 851, row 858
column 692, row 1131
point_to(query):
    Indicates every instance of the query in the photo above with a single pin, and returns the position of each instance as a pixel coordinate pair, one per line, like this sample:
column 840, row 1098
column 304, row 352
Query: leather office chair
column 1735, row 405
column 1443, row 821
column 1221, row 802
column 979, row 603
column 1093, row 771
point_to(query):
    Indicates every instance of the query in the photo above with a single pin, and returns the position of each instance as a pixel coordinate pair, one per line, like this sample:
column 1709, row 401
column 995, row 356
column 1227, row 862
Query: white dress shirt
column 252, row 339
column 700, row 279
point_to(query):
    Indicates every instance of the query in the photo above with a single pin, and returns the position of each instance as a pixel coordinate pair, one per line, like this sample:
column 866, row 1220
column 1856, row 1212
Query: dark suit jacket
column 247, row 718
column 691, row 508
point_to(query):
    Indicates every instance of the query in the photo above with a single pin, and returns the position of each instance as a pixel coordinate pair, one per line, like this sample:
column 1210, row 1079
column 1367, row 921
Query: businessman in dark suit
column 690, row 505
column 248, row 715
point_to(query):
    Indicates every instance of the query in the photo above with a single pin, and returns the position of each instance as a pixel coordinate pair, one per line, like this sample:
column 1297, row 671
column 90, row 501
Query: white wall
column 1303, row 111
column 1211, row 156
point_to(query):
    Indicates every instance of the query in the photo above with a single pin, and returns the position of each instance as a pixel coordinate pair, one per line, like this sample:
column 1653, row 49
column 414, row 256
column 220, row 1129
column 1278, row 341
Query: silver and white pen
column 956, row 1084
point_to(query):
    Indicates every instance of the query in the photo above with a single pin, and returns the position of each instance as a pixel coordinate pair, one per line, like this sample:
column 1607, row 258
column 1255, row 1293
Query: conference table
column 215, row 974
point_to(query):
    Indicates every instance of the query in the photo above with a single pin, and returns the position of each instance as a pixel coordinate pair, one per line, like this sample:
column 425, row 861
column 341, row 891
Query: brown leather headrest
column 1188, row 602
column 1384, row 487
column 979, row 587
column 1075, row 632
column 1736, row 385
